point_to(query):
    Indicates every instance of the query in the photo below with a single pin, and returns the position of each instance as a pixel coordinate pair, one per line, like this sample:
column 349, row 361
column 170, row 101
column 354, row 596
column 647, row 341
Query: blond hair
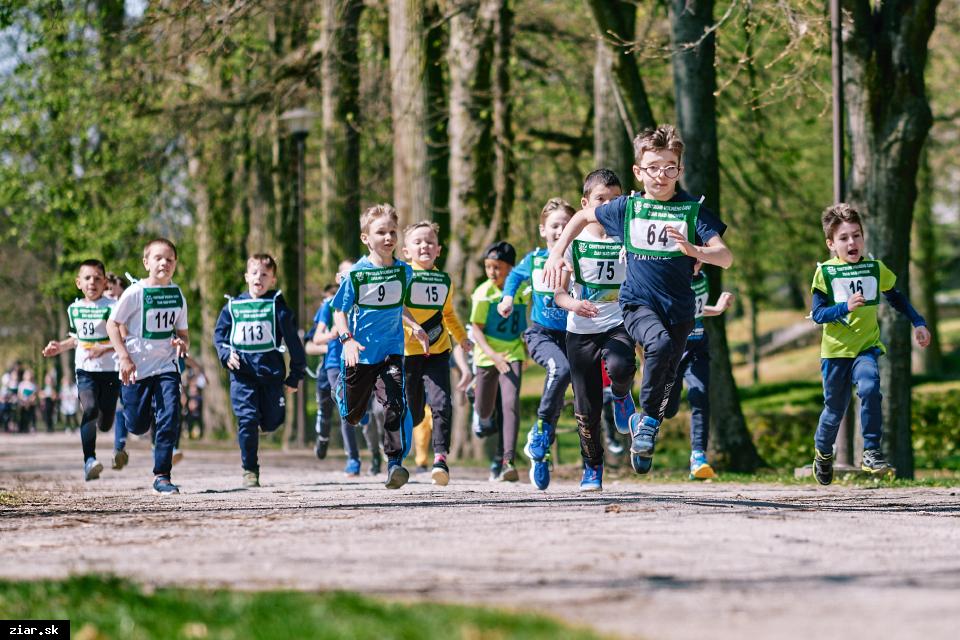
column 553, row 205
column 377, row 211
column 661, row 138
column 423, row 224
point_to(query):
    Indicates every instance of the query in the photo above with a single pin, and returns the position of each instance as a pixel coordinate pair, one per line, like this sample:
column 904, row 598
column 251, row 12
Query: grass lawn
column 105, row 607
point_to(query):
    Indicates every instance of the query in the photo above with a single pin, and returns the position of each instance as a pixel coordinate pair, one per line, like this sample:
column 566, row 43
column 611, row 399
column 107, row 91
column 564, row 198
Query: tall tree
column 885, row 48
column 926, row 276
column 612, row 147
column 694, row 77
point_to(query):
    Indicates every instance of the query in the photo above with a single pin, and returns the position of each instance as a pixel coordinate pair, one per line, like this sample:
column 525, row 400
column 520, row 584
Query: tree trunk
column 340, row 143
column 884, row 56
column 438, row 151
column 503, row 173
column 694, row 78
column 612, row 147
column 408, row 106
column 616, row 22
column 471, row 219
column 926, row 273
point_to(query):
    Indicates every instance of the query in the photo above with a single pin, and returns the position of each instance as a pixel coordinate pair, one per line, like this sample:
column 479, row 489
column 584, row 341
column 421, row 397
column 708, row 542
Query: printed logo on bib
column 90, row 323
column 428, row 290
column 701, row 291
column 597, row 265
column 646, row 223
column 508, row 328
column 161, row 308
column 378, row 288
column 536, row 277
column 844, row 280
column 254, row 327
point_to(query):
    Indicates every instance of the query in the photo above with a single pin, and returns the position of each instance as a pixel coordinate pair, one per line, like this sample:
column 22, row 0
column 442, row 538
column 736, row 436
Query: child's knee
column 868, row 388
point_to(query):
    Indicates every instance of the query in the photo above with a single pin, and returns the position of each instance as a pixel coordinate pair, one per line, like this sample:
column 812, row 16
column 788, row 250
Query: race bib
column 428, row 290
column 844, row 280
column 701, row 292
column 161, row 308
column 536, row 277
column 509, row 328
column 646, row 223
column 90, row 323
column 378, row 288
column 597, row 265
column 254, row 327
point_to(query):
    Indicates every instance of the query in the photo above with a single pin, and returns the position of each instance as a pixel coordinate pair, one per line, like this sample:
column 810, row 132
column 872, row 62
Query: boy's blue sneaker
column 540, row 473
column 700, row 469
column 353, row 467
column 643, row 433
column 397, row 476
column 592, row 478
column 623, row 408
column 538, row 441
column 163, row 486
column 91, row 469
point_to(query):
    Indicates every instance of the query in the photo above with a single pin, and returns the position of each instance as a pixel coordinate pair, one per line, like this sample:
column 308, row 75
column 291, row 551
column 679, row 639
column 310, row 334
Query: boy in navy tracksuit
column 248, row 336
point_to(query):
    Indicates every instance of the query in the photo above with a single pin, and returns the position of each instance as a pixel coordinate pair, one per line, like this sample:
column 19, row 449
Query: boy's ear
column 583, row 203
column 405, row 252
column 543, row 231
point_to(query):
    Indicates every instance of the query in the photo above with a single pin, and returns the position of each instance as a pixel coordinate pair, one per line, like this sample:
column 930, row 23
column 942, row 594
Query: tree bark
column 695, row 84
column 340, row 142
column 612, row 147
column 885, row 55
column 926, row 273
column 438, row 150
column 503, row 173
column 408, row 106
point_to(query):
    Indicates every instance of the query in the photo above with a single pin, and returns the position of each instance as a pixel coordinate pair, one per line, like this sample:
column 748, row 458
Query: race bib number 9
column 428, row 290
column 90, row 323
column 254, row 325
column 161, row 308
column 597, row 264
column 846, row 280
column 647, row 221
column 378, row 288
column 536, row 277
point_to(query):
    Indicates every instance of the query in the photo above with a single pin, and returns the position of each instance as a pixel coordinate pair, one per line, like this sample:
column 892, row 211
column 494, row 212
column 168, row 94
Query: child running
column 596, row 338
column 95, row 361
column 152, row 314
column 846, row 295
column 665, row 232
column 429, row 300
column 250, row 336
column 372, row 336
column 545, row 338
column 116, row 285
column 498, row 357
column 694, row 369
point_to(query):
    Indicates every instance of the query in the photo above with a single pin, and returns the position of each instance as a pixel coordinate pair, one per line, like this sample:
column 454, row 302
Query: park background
column 123, row 121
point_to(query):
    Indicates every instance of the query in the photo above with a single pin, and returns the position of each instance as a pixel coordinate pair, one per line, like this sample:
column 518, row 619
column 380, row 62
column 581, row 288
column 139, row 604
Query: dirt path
column 641, row 559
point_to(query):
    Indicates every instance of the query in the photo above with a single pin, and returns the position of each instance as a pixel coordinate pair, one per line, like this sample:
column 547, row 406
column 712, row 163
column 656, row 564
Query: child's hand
column 97, row 350
column 684, row 246
column 553, row 271
column 585, row 309
column 466, row 377
column 922, row 336
column 724, row 301
column 52, row 349
column 467, row 345
column 505, row 308
column 500, row 362
column 180, row 345
column 292, row 389
column 421, row 336
column 351, row 352
column 233, row 362
column 856, row 300
column 128, row 370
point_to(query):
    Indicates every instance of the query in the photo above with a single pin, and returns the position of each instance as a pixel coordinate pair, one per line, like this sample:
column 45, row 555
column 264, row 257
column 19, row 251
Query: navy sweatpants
column 155, row 400
column 260, row 405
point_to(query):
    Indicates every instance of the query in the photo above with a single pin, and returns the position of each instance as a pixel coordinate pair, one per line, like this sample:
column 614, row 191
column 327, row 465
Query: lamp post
column 297, row 122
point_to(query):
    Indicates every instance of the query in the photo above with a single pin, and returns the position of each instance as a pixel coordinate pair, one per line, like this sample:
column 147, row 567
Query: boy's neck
column 157, row 282
column 499, row 284
column 421, row 265
column 596, row 229
column 666, row 199
column 89, row 299
column 380, row 261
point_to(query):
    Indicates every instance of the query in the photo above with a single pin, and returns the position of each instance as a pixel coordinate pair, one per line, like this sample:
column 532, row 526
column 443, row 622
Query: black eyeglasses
column 669, row 171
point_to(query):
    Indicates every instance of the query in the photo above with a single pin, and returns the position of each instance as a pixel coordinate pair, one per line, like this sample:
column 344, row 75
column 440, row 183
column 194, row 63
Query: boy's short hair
column 264, row 259
column 503, row 251
column 377, row 211
column 433, row 226
column 553, row 205
column 662, row 138
column 835, row 215
column 330, row 288
column 600, row 178
column 167, row 243
column 116, row 280
column 96, row 264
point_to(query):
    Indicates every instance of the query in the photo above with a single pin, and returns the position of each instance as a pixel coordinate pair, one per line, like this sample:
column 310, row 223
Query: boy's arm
column 723, row 303
column 481, row 341
column 127, row 369
column 351, row 348
column 714, row 252
column 563, row 299
column 466, row 375
column 517, row 276
column 221, row 336
column 899, row 302
column 181, row 342
column 418, row 333
column 298, row 358
column 556, row 263
column 824, row 312
column 56, row 347
column 452, row 323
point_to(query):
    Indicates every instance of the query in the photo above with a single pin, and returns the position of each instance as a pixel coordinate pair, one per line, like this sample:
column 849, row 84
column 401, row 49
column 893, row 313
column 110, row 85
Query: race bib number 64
column 647, row 221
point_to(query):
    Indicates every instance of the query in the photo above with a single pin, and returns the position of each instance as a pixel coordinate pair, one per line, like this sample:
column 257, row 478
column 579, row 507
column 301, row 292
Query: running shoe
column 873, row 462
column 540, row 473
column 375, row 463
column 177, row 456
column 163, row 486
column 353, row 467
column 91, row 469
column 120, row 459
column 320, row 448
column 495, row 468
column 623, row 408
column 508, row 473
column 251, row 479
column 700, row 469
column 397, row 476
column 643, row 433
column 538, row 441
column 823, row 467
column 592, row 477
column 440, row 475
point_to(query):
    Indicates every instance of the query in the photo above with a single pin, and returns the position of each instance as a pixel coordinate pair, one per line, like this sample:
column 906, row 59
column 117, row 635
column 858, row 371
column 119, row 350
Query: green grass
column 105, row 607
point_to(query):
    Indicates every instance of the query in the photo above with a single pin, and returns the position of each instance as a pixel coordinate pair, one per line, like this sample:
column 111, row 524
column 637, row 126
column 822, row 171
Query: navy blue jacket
column 268, row 365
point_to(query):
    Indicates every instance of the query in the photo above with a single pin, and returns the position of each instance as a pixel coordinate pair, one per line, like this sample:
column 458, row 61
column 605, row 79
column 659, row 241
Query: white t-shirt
column 153, row 315
column 88, row 322
column 69, row 399
column 597, row 262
